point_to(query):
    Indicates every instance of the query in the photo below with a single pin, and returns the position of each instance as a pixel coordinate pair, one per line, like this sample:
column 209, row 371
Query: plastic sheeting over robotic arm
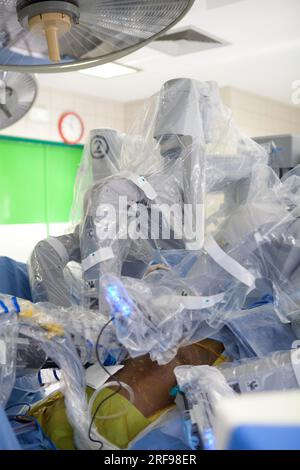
column 51, row 256
column 192, row 199
column 204, row 388
column 240, row 286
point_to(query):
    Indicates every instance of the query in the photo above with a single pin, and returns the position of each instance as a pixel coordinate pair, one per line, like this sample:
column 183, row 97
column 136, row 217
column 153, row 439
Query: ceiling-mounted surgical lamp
column 61, row 35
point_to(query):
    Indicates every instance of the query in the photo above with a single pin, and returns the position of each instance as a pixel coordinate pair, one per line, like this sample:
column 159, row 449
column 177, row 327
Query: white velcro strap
column 191, row 302
column 227, row 263
column 188, row 302
column 103, row 254
column 194, row 222
column 142, row 183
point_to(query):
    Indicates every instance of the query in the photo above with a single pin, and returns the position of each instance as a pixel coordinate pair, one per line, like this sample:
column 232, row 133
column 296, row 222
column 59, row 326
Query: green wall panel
column 22, row 182
column 61, row 168
column 36, row 180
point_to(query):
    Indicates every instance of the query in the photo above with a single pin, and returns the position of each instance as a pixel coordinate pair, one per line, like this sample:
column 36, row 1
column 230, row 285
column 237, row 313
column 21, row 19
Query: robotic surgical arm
column 50, row 257
column 101, row 243
column 46, row 268
column 183, row 129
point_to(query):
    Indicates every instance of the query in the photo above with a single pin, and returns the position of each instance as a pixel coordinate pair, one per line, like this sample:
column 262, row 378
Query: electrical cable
column 115, row 392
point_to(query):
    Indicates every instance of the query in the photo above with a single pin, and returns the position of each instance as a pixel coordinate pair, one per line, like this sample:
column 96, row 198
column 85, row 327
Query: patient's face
column 152, row 383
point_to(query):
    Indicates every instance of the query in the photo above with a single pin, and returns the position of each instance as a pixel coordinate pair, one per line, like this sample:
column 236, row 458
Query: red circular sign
column 71, row 128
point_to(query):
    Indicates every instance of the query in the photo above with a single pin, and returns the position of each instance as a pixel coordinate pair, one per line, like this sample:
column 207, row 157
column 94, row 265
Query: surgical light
column 61, row 35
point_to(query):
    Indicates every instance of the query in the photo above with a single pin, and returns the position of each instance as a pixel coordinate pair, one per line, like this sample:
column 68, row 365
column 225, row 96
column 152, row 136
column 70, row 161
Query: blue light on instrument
column 118, row 302
column 208, row 439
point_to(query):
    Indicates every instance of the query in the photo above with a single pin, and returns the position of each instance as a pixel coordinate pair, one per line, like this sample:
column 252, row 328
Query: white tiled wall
column 131, row 111
column 255, row 115
column 259, row 116
column 94, row 112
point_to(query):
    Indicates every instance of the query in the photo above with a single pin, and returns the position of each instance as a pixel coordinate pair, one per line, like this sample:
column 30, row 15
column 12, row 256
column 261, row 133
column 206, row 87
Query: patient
column 14, row 278
column 151, row 384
